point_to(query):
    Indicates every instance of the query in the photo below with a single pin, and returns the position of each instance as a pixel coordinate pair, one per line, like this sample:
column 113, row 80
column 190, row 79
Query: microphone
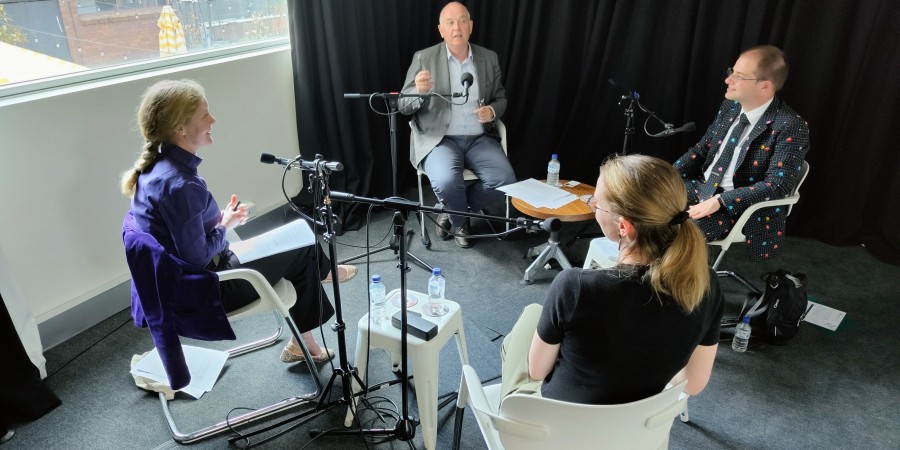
column 298, row 163
column 466, row 79
column 549, row 225
column 628, row 93
column 670, row 131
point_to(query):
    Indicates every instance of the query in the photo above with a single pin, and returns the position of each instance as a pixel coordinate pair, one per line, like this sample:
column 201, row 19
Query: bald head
column 455, row 26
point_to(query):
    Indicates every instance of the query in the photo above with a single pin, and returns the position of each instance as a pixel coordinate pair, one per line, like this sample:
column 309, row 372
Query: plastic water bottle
column 553, row 171
column 436, row 289
column 376, row 294
column 741, row 336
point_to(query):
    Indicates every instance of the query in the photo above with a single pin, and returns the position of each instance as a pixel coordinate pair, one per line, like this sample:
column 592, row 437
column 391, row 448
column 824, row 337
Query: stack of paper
column 538, row 194
column 289, row 236
column 205, row 365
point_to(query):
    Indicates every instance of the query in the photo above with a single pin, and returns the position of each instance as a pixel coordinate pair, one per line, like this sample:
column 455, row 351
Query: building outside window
column 43, row 38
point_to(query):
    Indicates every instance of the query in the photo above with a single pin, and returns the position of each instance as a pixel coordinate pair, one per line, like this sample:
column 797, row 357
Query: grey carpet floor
column 825, row 389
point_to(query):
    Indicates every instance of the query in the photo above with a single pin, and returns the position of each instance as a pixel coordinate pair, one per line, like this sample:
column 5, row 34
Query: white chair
column 602, row 253
column 737, row 231
column 468, row 175
column 523, row 422
column 144, row 253
column 277, row 299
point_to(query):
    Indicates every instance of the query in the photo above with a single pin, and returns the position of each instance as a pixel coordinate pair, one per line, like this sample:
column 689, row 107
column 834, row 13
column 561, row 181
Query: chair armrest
column 745, row 216
column 265, row 291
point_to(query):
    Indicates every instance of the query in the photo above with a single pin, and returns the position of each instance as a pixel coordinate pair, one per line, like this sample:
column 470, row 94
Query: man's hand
column 704, row 208
column 423, row 81
column 485, row 114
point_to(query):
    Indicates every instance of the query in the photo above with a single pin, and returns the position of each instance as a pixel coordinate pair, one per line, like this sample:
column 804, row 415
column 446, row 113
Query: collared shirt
column 753, row 116
column 172, row 203
column 463, row 121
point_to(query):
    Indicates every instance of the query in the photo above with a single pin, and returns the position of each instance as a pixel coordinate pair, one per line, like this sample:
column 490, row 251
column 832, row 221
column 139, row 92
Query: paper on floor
column 204, row 364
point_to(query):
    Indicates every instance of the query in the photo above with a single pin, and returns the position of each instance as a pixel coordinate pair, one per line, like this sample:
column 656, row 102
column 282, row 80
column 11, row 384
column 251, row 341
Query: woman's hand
column 234, row 214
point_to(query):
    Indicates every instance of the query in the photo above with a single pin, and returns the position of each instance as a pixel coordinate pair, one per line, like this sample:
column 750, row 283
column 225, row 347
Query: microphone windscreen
column 689, row 127
column 267, row 158
column 466, row 78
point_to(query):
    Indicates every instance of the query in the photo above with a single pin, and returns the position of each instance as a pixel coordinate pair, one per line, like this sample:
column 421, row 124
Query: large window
column 46, row 38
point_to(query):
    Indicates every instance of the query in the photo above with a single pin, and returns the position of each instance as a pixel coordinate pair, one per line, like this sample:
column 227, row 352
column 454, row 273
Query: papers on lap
column 289, row 236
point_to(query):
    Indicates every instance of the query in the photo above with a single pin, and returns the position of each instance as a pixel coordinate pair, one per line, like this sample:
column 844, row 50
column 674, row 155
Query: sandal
column 288, row 356
column 348, row 273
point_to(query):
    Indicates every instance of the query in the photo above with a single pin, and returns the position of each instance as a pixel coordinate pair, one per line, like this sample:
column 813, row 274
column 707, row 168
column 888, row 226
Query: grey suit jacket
column 431, row 117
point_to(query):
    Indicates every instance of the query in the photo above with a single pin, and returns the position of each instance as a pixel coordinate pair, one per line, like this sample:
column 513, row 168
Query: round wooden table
column 576, row 211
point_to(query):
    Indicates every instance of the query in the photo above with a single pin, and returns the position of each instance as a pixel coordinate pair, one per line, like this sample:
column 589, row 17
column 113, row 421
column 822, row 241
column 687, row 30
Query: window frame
column 83, row 79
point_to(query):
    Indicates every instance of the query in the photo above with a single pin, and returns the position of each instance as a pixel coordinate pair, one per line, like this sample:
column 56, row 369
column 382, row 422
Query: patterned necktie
column 721, row 165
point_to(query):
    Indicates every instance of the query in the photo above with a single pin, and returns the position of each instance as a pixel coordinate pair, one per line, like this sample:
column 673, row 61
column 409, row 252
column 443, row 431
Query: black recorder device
column 416, row 325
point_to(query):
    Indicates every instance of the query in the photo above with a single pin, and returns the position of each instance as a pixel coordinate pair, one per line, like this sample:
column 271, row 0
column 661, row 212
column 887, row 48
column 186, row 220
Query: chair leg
column 264, row 342
column 255, row 415
column 457, row 427
column 740, row 279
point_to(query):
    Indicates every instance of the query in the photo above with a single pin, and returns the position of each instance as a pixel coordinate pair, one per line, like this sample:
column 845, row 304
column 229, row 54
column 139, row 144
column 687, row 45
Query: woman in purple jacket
column 171, row 202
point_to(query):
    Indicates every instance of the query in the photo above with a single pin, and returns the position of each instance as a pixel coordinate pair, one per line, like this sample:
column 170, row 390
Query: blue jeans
column 483, row 155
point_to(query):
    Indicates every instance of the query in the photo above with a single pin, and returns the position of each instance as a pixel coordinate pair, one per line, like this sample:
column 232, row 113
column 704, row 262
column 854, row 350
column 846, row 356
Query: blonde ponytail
column 649, row 193
column 146, row 159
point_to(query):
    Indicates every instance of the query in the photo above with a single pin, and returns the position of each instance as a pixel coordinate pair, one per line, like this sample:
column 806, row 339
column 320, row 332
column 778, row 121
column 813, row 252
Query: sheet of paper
column 824, row 316
column 538, row 194
column 289, row 236
column 205, row 366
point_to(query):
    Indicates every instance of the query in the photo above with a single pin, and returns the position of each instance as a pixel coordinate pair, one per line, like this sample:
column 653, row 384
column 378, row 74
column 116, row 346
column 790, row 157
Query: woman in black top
column 621, row 334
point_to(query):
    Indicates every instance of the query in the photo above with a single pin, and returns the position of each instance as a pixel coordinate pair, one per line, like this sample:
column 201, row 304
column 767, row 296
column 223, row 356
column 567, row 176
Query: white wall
column 62, row 154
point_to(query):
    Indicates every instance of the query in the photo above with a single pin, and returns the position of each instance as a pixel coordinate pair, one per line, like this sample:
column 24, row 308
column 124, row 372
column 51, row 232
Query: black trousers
column 304, row 267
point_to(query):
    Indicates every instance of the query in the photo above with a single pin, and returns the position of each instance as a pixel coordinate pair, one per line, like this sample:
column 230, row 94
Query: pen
column 236, row 205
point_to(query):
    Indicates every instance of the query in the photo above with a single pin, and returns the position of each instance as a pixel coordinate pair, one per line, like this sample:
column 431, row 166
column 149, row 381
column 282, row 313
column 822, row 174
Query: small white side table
column 422, row 354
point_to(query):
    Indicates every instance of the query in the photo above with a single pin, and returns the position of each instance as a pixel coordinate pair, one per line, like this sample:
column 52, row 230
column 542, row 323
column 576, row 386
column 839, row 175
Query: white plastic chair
column 143, row 251
column 523, row 422
column 602, row 253
column 737, row 231
column 468, row 175
column 278, row 299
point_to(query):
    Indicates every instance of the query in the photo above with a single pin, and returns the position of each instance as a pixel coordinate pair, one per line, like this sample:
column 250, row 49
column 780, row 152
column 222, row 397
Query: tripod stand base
column 545, row 253
column 396, row 248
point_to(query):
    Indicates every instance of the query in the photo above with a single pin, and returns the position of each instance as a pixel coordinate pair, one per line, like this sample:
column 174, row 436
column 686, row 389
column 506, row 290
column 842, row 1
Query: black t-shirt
column 619, row 340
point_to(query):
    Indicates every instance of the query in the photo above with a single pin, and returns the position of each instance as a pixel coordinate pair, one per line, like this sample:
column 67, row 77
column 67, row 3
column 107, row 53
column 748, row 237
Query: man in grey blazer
column 450, row 134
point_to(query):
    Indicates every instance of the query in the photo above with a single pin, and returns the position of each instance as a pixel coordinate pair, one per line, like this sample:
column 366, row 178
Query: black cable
column 88, row 348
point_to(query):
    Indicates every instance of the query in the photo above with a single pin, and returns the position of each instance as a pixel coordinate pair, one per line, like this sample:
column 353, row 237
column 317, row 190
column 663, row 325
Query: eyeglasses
column 730, row 73
column 592, row 204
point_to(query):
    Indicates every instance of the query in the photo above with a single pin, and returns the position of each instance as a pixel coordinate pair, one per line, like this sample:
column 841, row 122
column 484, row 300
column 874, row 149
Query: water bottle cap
column 436, row 271
column 376, row 278
column 554, row 156
column 746, row 319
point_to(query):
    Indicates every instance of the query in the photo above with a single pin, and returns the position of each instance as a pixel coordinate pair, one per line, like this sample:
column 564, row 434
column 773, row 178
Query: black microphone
column 670, row 131
column 628, row 94
column 466, row 79
column 269, row 158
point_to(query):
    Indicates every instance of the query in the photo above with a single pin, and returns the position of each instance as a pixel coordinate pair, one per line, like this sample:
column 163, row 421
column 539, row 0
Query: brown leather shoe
column 443, row 226
column 462, row 237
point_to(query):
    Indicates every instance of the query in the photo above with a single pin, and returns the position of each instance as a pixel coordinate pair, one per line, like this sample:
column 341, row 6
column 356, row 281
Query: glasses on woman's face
column 730, row 73
column 592, row 203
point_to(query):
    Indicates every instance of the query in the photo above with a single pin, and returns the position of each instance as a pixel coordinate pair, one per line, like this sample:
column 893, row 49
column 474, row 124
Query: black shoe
column 462, row 237
column 443, row 226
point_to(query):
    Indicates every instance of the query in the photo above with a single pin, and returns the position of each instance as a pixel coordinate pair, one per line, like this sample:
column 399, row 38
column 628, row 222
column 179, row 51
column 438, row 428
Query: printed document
column 289, row 236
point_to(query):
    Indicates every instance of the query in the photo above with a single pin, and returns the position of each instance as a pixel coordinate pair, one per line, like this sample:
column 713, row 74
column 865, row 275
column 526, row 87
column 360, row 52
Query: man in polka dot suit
column 762, row 163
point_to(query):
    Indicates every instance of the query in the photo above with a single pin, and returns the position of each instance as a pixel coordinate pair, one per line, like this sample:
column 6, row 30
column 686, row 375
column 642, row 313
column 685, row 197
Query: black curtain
column 23, row 395
column 557, row 58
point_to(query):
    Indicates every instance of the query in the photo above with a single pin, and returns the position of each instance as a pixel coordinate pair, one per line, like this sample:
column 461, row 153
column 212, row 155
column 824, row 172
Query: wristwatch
column 719, row 198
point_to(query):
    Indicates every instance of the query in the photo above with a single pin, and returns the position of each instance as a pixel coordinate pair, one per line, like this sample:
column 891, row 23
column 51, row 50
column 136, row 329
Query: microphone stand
column 406, row 426
column 391, row 98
